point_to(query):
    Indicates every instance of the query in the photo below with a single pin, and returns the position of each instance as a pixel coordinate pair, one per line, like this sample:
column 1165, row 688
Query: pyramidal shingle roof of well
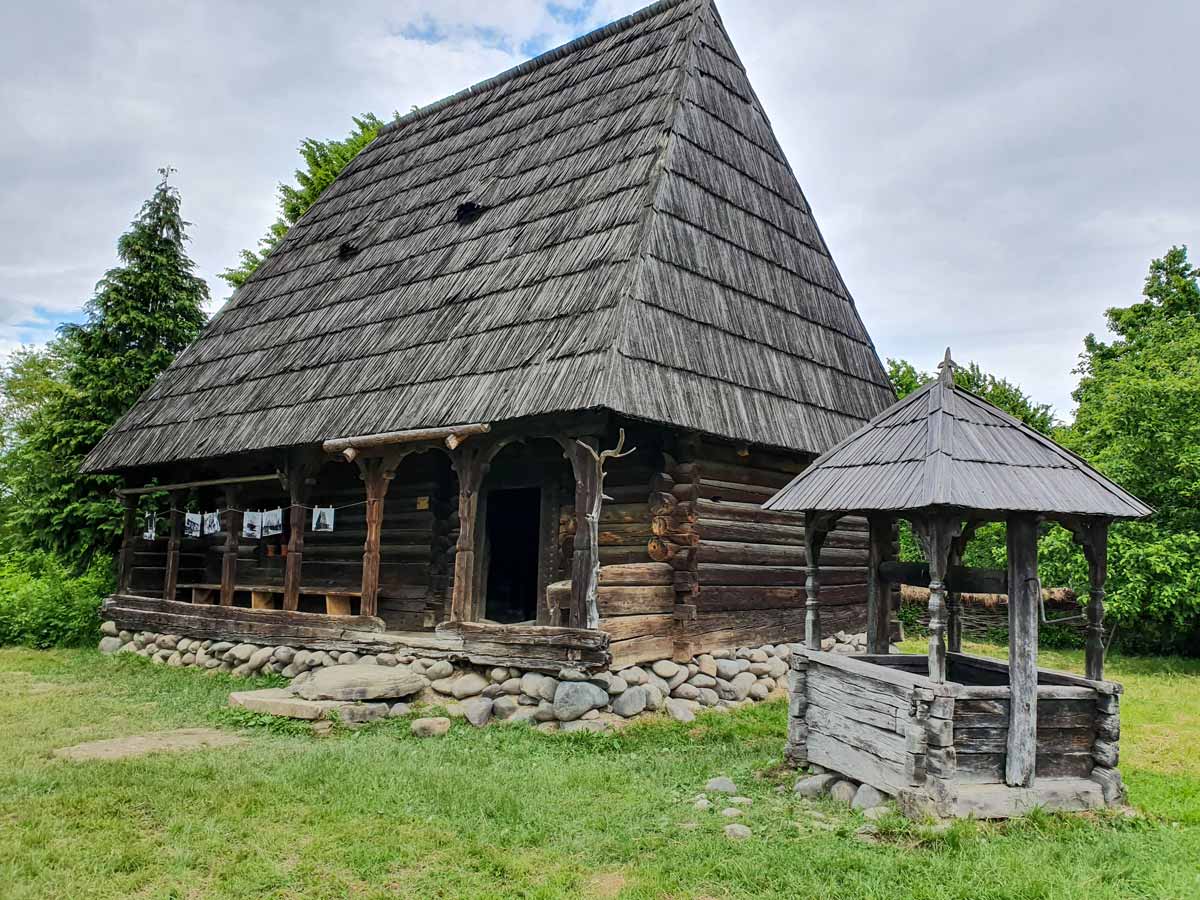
column 644, row 247
column 944, row 446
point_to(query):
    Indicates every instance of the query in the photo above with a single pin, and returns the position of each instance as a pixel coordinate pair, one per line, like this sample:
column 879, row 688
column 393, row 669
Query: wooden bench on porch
column 269, row 596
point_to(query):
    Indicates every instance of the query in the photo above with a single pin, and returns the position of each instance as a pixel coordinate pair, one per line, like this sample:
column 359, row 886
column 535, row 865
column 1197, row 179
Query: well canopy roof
column 943, row 446
column 610, row 225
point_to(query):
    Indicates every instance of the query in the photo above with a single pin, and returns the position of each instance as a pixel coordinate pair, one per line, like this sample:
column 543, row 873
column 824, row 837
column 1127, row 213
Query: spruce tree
column 142, row 314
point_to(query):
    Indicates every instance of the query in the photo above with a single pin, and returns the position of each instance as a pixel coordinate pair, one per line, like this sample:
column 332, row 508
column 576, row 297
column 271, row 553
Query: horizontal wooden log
column 620, row 599
column 861, row 765
column 620, row 556
column 1047, row 677
column 713, row 489
column 733, row 473
column 738, row 553
column 773, row 576
column 747, row 532
column 611, row 514
column 649, row 573
column 719, row 597
column 662, row 503
column 988, row 768
column 622, row 628
column 876, row 715
column 995, row 740
column 757, row 457
column 543, row 635
column 639, row 650
column 884, row 743
column 873, row 674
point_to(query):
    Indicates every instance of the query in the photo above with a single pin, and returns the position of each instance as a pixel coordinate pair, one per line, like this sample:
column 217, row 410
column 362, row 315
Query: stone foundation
column 573, row 700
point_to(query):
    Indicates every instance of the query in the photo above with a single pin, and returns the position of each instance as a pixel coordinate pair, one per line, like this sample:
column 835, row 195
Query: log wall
column 740, row 569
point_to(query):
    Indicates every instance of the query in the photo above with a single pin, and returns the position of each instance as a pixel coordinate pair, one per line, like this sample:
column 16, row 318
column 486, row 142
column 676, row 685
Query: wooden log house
column 948, row 732
column 604, row 241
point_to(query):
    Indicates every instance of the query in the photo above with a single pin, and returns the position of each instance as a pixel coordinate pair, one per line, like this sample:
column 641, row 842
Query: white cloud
column 988, row 177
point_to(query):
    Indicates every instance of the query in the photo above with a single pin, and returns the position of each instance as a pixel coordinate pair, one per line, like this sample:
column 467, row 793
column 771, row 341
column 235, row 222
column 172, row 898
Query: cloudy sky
column 989, row 176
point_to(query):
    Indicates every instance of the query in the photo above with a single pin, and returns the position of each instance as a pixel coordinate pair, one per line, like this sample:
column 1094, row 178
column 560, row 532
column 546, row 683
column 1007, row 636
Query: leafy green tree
column 906, row 378
column 323, row 161
column 1138, row 421
column 59, row 402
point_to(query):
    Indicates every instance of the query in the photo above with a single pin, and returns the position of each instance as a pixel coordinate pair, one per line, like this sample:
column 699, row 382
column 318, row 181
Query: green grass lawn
column 507, row 812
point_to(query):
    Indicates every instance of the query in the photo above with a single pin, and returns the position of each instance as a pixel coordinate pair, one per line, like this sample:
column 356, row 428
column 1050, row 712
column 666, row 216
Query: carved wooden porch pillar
column 302, row 466
column 233, row 533
column 377, row 474
column 1024, row 596
column 173, row 538
column 471, row 463
column 879, row 590
column 936, row 534
column 816, row 528
column 128, row 542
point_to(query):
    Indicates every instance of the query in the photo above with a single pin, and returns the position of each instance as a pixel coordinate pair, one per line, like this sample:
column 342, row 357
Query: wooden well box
column 941, row 748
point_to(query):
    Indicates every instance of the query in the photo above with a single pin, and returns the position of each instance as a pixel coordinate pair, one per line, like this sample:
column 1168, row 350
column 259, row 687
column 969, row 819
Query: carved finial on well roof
column 946, row 368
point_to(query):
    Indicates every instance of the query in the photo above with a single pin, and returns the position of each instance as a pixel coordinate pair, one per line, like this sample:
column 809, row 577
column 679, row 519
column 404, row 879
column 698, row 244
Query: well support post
column 1092, row 536
column 816, row 528
column 937, row 534
column 1024, row 596
column 879, row 589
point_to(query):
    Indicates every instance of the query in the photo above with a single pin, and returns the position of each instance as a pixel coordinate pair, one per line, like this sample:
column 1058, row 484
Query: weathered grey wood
column 891, row 679
column 856, row 763
column 816, row 527
column 1091, row 535
column 953, row 600
column 452, row 436
column 879, row 591
column 1024, row 595
column 937, row 533
column 960, row 578
column 1046, row 677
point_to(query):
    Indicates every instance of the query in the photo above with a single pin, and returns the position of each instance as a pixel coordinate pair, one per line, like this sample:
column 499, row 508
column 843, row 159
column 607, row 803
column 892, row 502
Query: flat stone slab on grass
column 360, row 683
column 178, row 740
column 282, row 702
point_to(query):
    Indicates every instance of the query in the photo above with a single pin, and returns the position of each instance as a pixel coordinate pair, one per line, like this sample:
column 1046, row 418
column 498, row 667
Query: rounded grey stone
column 435, row 726
column 843, row 791
column 574, row 698
column 630, row 702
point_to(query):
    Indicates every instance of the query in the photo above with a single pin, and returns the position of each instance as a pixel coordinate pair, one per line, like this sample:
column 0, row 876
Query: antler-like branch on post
column 603, row 456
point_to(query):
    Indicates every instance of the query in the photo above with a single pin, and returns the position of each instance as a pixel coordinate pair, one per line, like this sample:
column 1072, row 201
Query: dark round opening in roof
column 468, row 212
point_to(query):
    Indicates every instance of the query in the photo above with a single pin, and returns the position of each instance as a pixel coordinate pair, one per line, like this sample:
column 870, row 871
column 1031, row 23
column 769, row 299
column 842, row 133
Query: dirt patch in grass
column 606, row 884
column 181, row 739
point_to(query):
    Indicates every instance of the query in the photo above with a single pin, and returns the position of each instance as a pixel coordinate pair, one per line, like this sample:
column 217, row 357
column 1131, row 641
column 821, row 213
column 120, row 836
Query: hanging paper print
column 322, row 518
column 212, row 522
column 251, row 524
column 272, row 522
column 151, row 522
column 192, row 523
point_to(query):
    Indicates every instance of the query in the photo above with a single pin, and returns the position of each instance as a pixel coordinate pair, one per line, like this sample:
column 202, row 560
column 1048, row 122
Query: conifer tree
column 142, row 314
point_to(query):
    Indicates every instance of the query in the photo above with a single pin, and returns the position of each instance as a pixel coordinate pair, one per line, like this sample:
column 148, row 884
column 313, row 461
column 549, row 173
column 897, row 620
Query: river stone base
column 572, row 701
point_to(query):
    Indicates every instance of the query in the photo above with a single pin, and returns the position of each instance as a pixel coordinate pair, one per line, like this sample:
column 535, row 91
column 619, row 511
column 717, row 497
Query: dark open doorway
column 513, row 518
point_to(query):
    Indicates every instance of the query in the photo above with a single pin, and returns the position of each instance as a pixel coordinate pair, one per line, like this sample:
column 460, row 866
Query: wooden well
column 941, row 748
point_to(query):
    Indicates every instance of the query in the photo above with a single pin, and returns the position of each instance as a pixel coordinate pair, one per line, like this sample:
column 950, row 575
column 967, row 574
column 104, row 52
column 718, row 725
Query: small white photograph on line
column 192, row 523
column 322, row 519
column 212, row 522
column 251, row 524
column 272, row 522
column 148, row 533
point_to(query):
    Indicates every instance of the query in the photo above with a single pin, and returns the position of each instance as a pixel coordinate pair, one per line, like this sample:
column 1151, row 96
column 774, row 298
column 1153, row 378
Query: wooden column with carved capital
column 879, row 590
column 471, row 463
column 377, row 474
column 174, row 536
column 233, row 532
column 936, row 534
column 1092, row 536
column 816, row 528
column 302, row 466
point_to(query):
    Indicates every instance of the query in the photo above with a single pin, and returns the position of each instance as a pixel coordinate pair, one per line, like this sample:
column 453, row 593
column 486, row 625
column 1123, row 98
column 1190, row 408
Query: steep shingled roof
column 609, row 225
column 944, row 446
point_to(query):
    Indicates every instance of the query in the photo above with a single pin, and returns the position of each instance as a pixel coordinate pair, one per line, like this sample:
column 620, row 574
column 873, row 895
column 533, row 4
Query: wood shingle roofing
column 638, row 243
column 942, row 446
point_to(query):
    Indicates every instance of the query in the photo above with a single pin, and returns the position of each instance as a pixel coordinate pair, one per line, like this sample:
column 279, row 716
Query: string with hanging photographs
column 256, row 523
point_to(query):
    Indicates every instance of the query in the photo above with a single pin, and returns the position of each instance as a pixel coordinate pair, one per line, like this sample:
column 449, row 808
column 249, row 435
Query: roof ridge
column 535, row 62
